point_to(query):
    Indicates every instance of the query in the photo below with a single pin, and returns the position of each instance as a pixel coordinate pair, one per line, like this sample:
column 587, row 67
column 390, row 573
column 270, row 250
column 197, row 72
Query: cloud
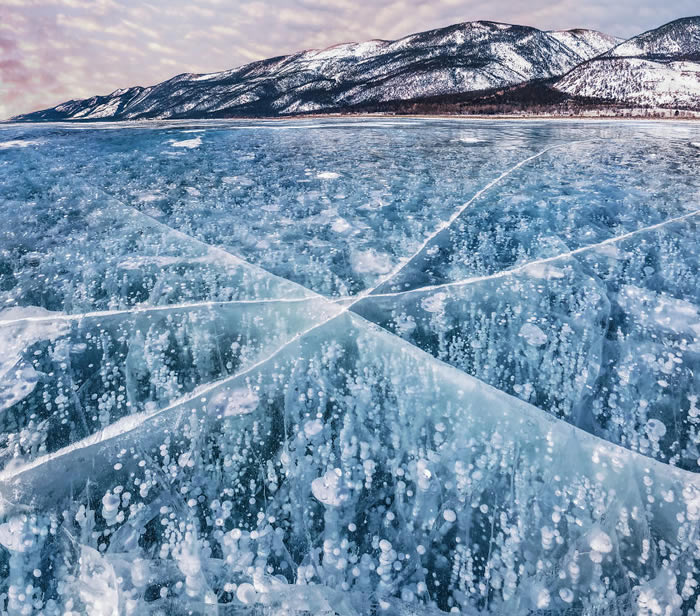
column 150, row 32
column 225, row 30
column 81, row 23
column 55, row 50
column 157, row 47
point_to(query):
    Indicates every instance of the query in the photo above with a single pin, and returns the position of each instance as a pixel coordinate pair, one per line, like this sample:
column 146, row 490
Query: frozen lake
column 350, row 366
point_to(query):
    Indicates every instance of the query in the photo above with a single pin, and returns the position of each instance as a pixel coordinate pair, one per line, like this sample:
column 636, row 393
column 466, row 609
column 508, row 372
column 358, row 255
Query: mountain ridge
column 658, row 68
column 585, row 67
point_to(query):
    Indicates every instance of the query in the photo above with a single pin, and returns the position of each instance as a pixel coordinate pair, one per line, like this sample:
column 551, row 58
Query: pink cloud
column 54, row 50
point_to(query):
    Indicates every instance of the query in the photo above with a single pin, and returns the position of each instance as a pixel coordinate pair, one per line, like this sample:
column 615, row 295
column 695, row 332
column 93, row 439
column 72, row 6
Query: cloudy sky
column 55, row 50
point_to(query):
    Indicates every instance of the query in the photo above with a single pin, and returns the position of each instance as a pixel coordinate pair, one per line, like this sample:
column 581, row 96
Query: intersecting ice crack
column 446, row 224
column 455, row 283
column 132, row 422
column 617, row 515
column 240, row 261
column 525, row 266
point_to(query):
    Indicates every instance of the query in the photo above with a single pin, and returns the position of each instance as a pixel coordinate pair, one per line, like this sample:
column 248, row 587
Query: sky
column 56, row 50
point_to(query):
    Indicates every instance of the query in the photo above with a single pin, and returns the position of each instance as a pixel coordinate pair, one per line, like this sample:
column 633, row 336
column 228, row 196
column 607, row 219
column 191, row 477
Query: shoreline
column 488, row 117
column 381, row 116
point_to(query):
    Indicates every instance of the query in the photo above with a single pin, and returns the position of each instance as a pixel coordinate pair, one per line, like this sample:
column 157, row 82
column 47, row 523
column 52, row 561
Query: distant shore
column 689, row 116
column 695, row 117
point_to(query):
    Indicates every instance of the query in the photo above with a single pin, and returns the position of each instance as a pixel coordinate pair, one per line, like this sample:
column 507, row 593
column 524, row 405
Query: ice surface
column 350, row 367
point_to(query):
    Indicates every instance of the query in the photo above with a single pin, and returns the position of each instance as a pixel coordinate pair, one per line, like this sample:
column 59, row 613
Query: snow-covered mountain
column 466, row 57
column 586, row 43
column 659, row 68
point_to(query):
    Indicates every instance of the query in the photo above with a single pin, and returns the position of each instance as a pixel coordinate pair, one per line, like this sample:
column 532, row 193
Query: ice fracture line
column 146, row 310
column 525, row 266
column 447, row 223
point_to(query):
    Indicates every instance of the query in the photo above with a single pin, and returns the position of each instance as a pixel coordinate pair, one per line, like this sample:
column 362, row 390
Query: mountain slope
column 676, row 39
column 586, row 43
column 461, row 58
column 659, row 68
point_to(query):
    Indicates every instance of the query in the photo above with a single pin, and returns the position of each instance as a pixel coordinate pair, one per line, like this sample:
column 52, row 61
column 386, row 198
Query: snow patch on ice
column 17, row 143
column 190, row 144
column 328, row 175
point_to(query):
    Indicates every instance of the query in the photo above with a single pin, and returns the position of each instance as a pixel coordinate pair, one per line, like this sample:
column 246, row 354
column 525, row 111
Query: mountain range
column 466, row 67
column 658, row 68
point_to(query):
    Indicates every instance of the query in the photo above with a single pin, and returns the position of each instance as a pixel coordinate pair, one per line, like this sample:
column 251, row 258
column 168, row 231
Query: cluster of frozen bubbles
column 493, row 414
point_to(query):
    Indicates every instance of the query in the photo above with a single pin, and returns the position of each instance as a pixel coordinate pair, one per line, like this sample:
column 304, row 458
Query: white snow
column 18, row 143
column 636, row 81
column 187, row 143
column 328, row 175
column 585, row 43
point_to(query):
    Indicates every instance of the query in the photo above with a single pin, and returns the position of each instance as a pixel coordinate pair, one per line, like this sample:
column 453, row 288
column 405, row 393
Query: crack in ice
column 138, row 310
column 209, row 247
column 525, row 266
column 447, row 223
column 132, row 422
column 127, row 424
column 240, row 261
